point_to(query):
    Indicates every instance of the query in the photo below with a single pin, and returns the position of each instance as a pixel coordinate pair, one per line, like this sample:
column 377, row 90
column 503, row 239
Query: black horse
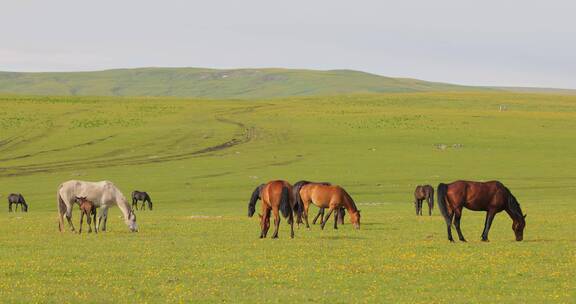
column 296, row 192
column 141, row 196
column 18, row 199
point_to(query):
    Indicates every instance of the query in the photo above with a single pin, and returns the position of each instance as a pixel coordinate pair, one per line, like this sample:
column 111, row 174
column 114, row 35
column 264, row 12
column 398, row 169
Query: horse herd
column 280, row 197
column 293, row 202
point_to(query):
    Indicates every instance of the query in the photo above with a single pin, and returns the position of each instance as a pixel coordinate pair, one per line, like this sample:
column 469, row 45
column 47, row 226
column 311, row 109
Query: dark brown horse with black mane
column 141, row 196
column 277, row 198
column 327, row 196
column 296, row 192
column 492, row 197
column 425, row 192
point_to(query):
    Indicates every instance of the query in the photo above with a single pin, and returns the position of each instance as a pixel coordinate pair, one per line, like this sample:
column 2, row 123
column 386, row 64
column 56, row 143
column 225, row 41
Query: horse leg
column 69, row 217
column 94, row 220
column 9, row 206
column 81, row 220
column 457, row 216
column 276, row 223
column 103, row 215
column 143, row 205
column 448, row 220
column 264, row 221
column 489, row 218
column 327, row 217
column 291, row 219
column 89, row 221
column 420, row 206
column 336, row 215
column 320, row 212
column 306, row 209
column 430, row 206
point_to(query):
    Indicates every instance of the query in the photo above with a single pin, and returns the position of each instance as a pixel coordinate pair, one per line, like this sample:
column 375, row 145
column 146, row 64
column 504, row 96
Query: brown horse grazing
column 425, row 192
column 296, row 192
column 331, row 197
column 276, row 197
column 86, row 208
column 491, row 197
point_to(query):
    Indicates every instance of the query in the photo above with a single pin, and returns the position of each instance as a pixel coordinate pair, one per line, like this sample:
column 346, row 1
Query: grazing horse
column 86, row 208
column 492, row 197
column 277, row 198
column 17, row 199
column 141, row 196
column 296, row 193
column 103, row 194
column 422, row 193
column 327, row 196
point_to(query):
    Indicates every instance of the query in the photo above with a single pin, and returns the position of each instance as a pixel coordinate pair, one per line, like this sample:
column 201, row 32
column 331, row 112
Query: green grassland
column 213, row 83
column 201, row 159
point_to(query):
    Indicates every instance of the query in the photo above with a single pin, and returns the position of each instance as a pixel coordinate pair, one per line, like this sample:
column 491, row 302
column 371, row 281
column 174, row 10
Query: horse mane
column 351, row 200
column 513, row 204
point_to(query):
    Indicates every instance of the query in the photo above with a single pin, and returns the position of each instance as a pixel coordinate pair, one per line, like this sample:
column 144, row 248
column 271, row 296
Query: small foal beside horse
column 425, row 192
column 103, row 194
column 17, row 199
column 141, row 196
column 492, row 197
column 327, row 196
column 86, row 208
column 277, row 198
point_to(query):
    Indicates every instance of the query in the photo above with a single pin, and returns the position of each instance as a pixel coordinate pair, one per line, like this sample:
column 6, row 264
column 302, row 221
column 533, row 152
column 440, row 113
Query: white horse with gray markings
column 103, row 194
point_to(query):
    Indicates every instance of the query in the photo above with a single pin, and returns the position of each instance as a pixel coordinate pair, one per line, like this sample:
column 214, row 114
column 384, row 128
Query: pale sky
column 489, row 42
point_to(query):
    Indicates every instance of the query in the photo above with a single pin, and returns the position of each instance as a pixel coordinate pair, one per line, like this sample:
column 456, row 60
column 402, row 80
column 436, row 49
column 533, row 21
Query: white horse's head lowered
column 130, row 220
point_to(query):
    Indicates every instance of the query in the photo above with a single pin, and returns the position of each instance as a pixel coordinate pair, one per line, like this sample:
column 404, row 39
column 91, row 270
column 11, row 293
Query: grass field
column 201, row 159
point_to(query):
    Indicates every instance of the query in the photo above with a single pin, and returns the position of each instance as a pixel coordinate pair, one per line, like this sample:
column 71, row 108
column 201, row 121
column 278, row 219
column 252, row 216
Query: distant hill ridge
column 220, row 83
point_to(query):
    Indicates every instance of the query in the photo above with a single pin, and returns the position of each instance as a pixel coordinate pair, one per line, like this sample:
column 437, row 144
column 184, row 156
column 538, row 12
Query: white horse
column 103, row 194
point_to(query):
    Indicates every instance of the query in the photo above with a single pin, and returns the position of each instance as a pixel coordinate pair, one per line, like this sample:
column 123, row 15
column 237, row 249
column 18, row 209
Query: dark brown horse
column 17, row 199
column 141, row 196
column 277, row 198
column 296, row 192
column 492, row 197
column 425, row 192
column 327, row 196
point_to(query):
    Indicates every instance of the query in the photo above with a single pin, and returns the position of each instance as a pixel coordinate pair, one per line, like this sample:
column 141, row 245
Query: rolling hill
column 213, row 83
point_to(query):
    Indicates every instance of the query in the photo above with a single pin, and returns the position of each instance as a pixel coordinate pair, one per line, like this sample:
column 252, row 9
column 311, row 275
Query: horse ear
column 525, row 215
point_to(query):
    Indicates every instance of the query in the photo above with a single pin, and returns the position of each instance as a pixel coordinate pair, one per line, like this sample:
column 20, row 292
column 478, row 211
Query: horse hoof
column 463, row 240
column 485, row 240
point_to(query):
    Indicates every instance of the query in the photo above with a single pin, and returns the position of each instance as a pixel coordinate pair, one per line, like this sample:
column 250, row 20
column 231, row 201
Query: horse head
column 518, row 225
column 355, row 219
column 131, row 221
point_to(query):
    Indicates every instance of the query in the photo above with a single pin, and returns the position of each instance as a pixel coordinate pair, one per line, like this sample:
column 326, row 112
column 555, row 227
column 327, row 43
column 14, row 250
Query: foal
column 87, row 208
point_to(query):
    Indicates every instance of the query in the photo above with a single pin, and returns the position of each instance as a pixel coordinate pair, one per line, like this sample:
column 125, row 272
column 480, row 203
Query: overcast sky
column 504, row 42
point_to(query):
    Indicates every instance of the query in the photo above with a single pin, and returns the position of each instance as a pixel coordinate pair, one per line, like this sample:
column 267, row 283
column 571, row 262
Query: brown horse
column 327, row 196
column 276, row 197
column 492, row 197
column 296, row 192
column 422, row 193
column 86, row 208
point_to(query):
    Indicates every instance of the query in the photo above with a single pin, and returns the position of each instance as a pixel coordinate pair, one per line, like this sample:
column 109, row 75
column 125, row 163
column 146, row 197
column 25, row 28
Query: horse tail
column 441, row 192
column 299, row 204
column 253, row 199
column 61, row 210
column 285, row 206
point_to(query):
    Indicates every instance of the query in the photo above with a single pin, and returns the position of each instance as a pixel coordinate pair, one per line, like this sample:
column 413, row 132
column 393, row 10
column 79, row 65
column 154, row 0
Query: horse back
column 271, row 192
column 477, row 196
